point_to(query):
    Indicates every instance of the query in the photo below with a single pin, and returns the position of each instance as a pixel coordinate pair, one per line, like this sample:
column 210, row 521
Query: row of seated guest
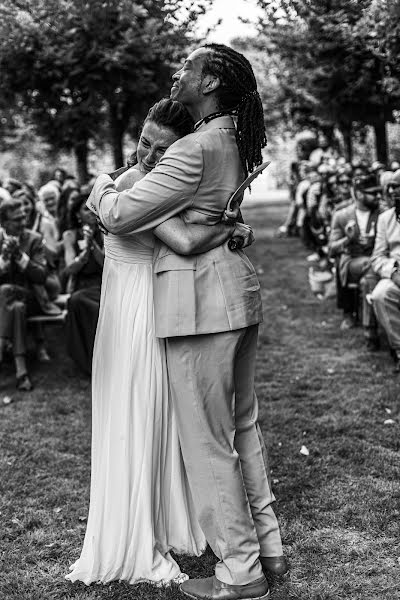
column 369, row 231
column 317, row 190
column 350, row 218
column 69, row 248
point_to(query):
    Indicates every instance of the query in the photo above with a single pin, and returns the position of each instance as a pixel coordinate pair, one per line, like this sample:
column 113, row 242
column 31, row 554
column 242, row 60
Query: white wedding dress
column 140, row 504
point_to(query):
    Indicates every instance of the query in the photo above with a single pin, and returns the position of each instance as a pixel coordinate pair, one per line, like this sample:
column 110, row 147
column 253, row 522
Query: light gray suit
column 208, row 307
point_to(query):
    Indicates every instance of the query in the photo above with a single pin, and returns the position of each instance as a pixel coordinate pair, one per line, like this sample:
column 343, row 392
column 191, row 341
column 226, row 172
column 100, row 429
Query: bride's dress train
column 140, row 504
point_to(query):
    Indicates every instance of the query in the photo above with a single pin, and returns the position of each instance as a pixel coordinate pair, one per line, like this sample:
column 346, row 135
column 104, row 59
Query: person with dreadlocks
column 386, row 264
column 208, row 308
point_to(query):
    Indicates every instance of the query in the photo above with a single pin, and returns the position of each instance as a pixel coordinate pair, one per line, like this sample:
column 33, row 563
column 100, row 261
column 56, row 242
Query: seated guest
column 70, row 181
column 351, row 243
column 12, row 185
column 49, row 196
column 384, row 180
column 328, row 200
column 301, row 192
column 343, row 190
column 65, row 205
column 40, row 223
column 386, row 264
column 84, row 258
column 22, row 265
column 59, row 175
column 312, row 227
column 289, row 227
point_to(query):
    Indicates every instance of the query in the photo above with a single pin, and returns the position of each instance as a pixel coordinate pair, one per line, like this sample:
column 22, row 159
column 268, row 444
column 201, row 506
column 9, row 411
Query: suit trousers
column 212, row 385
column 359, row 271
column 386, row 303
column 16, row 305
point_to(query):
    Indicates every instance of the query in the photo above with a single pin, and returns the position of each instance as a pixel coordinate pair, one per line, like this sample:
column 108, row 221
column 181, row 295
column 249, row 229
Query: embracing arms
column 190, row 238
column 165, row 192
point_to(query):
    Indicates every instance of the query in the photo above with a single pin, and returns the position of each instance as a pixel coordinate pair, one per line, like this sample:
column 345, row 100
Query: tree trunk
column 81, row 156
column 347, row 141
column 381, row 140
column 117, row 127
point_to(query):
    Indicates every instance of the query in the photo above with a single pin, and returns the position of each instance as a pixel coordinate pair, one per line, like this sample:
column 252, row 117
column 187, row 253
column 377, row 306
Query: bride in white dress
column 140, row 504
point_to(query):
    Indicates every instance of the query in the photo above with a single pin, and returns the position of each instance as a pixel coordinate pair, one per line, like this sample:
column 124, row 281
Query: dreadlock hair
column 237, row 94
column 171, row 114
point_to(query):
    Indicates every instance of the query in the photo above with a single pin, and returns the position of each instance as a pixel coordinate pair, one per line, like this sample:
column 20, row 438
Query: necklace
column 216, row 115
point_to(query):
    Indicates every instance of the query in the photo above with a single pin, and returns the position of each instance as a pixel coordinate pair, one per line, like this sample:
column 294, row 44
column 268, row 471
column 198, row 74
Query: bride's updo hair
column 171, row 114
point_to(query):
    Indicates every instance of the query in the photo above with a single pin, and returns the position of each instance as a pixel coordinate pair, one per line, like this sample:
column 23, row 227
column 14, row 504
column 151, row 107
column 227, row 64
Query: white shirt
column 362, row 217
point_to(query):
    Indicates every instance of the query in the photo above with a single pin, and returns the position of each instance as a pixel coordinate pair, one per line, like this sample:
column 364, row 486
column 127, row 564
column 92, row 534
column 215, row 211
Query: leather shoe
column 213, row 589
column 274, row 566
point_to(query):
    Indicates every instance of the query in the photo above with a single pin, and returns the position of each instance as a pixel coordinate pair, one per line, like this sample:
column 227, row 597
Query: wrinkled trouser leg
column 13, row 315
column 223, row 448
column 367, row 286
column 360, row 272
column 18, row 328
column 386, row 303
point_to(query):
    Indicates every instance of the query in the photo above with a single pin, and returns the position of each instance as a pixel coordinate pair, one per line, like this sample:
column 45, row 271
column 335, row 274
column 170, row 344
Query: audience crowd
column 348, row 217
column 51, row 260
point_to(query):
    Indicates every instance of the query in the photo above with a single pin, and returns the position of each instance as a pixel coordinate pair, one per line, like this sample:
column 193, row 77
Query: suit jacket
column 31, row 243
column 206, row 293
column 387, row 244
column 340, row 247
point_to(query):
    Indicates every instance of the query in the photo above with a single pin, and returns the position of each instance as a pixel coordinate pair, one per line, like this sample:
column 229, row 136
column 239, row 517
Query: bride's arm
column 189, row 238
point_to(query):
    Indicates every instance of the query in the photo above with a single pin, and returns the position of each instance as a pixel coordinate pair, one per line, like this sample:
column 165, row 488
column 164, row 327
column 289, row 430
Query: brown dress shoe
column 274, row 566
column 213, row 589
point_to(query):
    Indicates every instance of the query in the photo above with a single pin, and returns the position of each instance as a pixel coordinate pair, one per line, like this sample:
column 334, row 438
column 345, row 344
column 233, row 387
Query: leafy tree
column 87, row 70
column 330, row 71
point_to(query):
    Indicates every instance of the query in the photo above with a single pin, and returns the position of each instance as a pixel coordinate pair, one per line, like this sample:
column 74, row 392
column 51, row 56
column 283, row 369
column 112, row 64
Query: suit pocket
column 175, row 262
column 249, row 282
column 246, row 275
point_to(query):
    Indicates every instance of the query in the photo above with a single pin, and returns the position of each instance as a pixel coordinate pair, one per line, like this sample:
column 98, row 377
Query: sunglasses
column 344, row 181
column 373, row 191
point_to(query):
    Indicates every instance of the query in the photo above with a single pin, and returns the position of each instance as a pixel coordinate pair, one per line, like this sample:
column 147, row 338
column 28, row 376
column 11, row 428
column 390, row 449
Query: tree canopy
column 334, row 73
column 89, row 70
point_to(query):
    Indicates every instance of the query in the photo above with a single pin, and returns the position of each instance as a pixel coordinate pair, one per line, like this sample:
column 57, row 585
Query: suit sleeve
column 165, row 192
column 337, row 241
column 36, row 270
column 381, row 263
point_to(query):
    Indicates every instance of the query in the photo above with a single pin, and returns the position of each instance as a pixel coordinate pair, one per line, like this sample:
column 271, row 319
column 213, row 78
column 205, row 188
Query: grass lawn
column 339, row 507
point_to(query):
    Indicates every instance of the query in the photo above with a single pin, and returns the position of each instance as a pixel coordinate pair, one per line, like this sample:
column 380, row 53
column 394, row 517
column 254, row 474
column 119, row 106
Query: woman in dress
column 84, row 259
column 140, row 503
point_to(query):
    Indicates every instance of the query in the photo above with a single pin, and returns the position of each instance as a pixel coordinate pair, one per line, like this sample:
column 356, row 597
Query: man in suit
column 386, row 264
column 351, row 242
column 208, row 308
column 22, row 266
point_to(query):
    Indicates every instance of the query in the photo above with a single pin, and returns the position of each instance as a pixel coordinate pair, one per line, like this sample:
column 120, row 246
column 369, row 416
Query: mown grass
column 317, row 386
